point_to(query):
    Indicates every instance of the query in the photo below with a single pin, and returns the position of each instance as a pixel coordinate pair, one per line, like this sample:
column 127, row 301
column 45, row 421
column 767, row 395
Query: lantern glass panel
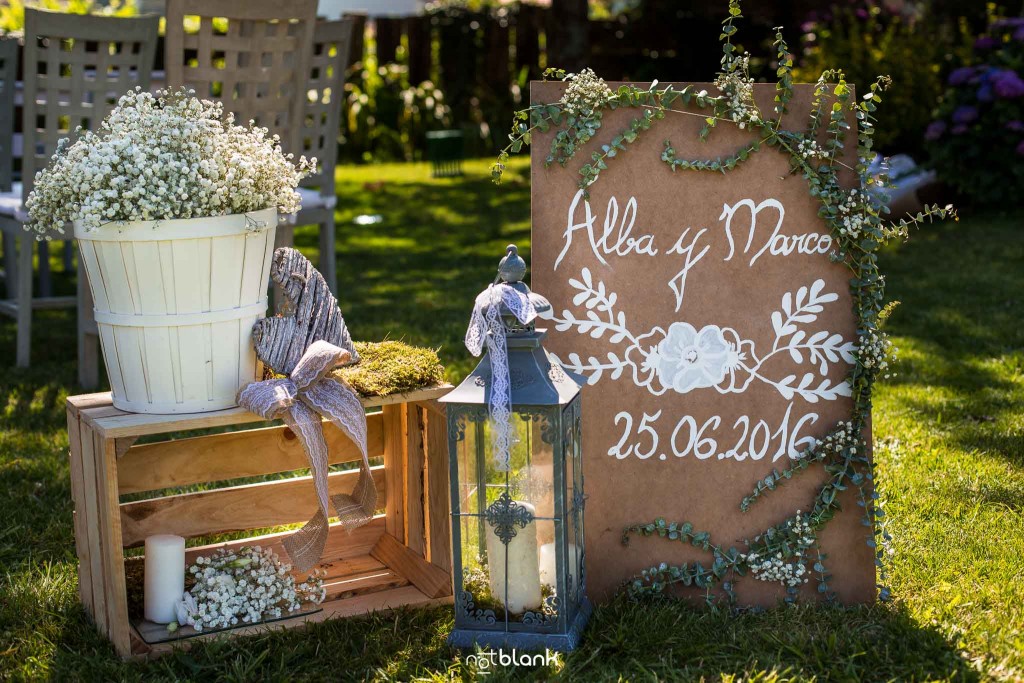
column 470, row 476
column 514, row 504
column 529, row 476
column 574, row 502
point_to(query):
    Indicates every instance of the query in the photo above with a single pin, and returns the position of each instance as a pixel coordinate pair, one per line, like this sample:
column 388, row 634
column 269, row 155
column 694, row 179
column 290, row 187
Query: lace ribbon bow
column 300, row 400
column 487, row 329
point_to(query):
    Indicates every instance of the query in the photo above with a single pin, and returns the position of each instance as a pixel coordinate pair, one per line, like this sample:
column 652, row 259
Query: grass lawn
column 949, row 430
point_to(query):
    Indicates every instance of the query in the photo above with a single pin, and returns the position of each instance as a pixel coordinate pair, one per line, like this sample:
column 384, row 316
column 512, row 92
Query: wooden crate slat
column 375, row 602
column 112, row 422
column 235, row 508
column 84, row 401
column 437, row 500
column 115, row 592
column 394, row 461
column 433, row 581
column 217, row 457
column 79, row 519
column 415, row 459
column 339, row 569
column 341, row 543
column 99, row 411
column 432, row 405
column 363, row 583
column 94, row 526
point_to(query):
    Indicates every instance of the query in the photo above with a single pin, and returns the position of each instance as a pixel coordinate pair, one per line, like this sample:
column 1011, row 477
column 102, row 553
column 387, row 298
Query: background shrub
column 976, row 141
column 904, row 41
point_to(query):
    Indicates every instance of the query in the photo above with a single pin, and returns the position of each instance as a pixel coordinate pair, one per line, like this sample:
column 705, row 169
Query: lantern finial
column 512, row 267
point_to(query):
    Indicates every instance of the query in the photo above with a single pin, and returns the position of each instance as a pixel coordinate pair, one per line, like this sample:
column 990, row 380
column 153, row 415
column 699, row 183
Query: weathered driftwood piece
column 309, row 313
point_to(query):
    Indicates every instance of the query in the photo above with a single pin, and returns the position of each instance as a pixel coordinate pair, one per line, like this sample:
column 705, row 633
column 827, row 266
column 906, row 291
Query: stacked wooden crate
column 402, row 557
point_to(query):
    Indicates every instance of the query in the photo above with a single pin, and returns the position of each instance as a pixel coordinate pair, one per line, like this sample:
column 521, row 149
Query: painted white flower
column 642, row 356
column 688, row 359
column 226, row 583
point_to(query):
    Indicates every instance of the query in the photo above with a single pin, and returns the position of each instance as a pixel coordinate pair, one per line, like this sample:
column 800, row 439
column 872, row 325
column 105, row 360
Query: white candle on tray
column 523, row 566
column 548, row 572
column 165, row 576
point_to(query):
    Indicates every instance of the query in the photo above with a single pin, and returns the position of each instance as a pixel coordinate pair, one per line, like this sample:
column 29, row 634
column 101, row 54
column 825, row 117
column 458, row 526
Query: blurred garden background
column 413, row 250
column 465, row 65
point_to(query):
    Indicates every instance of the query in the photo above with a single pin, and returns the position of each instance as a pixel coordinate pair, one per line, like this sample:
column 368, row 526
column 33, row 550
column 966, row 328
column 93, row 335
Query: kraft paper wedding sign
column 692, row 301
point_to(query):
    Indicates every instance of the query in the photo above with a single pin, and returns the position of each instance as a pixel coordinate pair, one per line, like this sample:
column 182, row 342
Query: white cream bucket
column 175, row 302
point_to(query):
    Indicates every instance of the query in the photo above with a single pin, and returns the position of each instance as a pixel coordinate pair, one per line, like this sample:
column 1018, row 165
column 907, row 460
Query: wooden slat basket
column 402, row 557
column 175, row 302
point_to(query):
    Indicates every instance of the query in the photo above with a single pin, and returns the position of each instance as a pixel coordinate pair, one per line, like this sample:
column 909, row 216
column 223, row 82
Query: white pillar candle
column 523, row 568
column 165, row 576
column 548, row 571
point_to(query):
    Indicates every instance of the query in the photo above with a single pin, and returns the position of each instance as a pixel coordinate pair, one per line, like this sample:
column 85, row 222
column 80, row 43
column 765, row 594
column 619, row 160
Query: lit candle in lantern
column 165, row 576
column 523, row 573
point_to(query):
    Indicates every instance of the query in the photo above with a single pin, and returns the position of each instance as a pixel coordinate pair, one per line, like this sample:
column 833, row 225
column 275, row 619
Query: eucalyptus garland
column 788, row 553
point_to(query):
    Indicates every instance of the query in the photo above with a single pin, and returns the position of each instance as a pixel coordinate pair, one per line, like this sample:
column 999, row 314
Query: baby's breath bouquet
column 164, row 156
column 243, row 586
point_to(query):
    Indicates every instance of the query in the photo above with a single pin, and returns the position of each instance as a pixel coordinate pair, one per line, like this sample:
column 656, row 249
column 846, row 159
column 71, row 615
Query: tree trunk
column 569, row 34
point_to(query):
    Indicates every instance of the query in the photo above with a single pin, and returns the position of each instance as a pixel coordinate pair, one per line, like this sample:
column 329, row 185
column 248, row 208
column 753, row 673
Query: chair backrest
column 8, row 83
column 325, row 93
column 252, row 55
column 76, row 68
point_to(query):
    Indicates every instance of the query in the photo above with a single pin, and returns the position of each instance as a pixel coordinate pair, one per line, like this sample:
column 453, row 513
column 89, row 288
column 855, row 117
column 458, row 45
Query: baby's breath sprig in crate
column 244, row 586
column 787, row 553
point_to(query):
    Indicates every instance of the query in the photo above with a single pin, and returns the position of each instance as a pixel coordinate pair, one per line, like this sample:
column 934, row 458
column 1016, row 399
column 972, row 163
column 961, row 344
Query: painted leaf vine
column 653, row 369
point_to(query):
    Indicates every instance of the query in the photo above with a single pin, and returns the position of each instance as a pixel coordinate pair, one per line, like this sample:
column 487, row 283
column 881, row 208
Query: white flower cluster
column 586, row 93
column 738, row 87
column 247, row 586
column 776, row 569
column 852, row 214
column 810, row 149
column 164, row 156
column 843, row 437
column 875, row 351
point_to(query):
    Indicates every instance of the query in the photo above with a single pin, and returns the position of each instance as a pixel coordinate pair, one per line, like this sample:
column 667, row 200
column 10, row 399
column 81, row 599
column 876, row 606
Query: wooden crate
column 402, row 557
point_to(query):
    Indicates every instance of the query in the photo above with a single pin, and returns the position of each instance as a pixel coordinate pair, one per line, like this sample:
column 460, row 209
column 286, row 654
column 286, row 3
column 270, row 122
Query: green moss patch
column 392, row 367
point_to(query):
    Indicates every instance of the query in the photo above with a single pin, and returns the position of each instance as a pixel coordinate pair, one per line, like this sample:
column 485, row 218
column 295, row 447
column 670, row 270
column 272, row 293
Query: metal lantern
column 517, row 517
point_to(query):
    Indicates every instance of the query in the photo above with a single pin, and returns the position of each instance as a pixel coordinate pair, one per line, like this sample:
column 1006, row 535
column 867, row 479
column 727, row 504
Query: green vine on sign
column 788, row 553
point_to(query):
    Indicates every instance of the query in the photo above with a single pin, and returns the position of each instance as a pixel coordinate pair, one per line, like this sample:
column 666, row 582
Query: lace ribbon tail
column 318, row 394
column 339, row 404
column 318, row 360
column 305, row 547
column 487, row 330
column 476, row 333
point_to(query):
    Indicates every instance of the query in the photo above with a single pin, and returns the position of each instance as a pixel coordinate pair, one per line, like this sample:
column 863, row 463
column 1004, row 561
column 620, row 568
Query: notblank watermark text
column 486, row 661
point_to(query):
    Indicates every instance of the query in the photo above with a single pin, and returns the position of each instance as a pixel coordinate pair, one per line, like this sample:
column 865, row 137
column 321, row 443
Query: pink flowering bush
column 976, row 141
